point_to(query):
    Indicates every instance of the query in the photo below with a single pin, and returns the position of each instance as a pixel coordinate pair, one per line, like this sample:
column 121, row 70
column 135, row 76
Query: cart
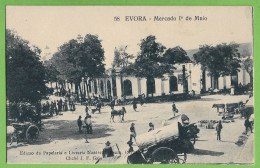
column 26, row 132
column 232, row 108
column 166, row 145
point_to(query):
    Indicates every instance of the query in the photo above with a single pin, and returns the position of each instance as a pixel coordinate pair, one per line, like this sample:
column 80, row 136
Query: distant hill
column 245, row 49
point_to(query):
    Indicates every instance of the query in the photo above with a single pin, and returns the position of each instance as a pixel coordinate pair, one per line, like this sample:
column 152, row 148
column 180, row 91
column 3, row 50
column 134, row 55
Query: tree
column 248, row 64
column 176, row 55
column 51, row 72
column 247, row 59
column 121, row 57
column 80, row 58
column 25, row 80
column 149, row 63
column 220, row 60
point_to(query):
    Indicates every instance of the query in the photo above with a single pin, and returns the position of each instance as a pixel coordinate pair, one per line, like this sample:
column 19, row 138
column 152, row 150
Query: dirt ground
column 60, row 142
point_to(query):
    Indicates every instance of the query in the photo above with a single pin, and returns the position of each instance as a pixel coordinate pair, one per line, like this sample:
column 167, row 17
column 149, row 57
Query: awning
column 250, row 102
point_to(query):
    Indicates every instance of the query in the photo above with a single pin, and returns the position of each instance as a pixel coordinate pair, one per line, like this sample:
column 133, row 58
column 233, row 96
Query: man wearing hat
column 79, row 124
column 151, row 127
column 107, row 151
column 132, row 132
column 174, row 109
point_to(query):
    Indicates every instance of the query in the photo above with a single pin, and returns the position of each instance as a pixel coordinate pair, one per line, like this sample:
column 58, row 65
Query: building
column 186, row 78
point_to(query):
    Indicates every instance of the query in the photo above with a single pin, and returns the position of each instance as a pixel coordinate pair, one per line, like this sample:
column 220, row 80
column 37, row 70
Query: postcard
column 129, row 85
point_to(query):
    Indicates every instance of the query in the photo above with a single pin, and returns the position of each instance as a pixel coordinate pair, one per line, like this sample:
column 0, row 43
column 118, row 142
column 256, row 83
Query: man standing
column 218, row 129
column 134, row 104
column 99, row 104
column 79, row 124
column 151, row 127
column 247, row 125
column 107, row 151
column 132, row 132
column 112, row 104
column 60, row 105
column 88, row 123
column 174, row 109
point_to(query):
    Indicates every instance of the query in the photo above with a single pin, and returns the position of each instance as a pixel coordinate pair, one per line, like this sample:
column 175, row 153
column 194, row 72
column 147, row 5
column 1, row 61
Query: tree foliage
column 121, row 57
column 248, row 64
column 220, row 60
column 81, row 57
column 25, row 78
column 51, row 72
column 176, row 55
column 149, row 62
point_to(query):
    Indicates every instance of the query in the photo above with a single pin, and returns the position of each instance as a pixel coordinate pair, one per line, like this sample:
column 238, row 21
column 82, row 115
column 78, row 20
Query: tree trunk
column 122, row 86
column 87, row 84
column 76, row 89
column 80, row 91
column 184, row 82
column 204, row 80
column 251, row 79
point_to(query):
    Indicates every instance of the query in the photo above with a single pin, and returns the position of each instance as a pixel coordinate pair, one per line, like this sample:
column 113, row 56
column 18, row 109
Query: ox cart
column 23, row 132
column 167, row 145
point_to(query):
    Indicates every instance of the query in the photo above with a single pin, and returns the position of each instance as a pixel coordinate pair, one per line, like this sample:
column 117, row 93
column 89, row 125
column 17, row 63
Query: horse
column 119, row 113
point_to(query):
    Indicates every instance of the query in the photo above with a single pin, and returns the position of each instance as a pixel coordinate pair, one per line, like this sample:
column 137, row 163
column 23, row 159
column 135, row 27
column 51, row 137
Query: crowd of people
column 24, row 111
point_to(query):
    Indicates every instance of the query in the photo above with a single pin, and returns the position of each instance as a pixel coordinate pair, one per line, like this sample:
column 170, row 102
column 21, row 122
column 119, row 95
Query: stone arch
column 150, row 84
column 89, row 86
column 95, row 86
column 127, row 88
column 108, row 88
column 173, row 83
column 101, row 86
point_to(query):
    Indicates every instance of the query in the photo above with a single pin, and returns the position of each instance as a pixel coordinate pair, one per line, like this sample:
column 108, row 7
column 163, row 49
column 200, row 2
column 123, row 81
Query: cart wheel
column 182, row 158
column 164, row 155
column 193, row 139
column 32, row 133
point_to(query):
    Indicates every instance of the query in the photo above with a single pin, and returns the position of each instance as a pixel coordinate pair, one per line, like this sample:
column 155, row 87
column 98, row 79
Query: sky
column 54, row 25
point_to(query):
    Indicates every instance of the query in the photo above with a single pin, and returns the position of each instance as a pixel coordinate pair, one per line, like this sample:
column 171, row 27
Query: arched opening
column 150, row 84
column 234, row 79
column 102, row 87
column 114, row 86
column 127, row 88
column 108, row 88
column 95, row 86
column 89, row 86
column 173, row 83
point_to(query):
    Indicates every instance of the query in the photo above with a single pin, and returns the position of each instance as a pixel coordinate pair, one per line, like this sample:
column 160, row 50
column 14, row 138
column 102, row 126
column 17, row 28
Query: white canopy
column 250, row 102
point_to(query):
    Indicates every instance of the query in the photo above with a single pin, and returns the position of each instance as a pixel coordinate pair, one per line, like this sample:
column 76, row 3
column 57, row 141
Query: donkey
column 119, row 113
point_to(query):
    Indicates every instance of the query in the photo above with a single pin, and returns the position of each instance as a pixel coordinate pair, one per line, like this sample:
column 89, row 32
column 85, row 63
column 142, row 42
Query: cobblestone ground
column 60, row 142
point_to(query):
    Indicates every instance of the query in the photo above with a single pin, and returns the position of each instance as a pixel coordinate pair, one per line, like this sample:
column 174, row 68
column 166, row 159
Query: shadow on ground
column 206, row 152
column 64, row 129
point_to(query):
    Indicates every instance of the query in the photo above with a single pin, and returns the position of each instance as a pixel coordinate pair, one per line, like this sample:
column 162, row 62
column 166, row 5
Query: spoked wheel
column 32, row 133
column 164, row 155
column 182, row 158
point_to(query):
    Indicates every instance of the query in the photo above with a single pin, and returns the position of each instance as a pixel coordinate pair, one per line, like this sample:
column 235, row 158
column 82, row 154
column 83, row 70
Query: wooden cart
column 27, row 132
column 166, row 145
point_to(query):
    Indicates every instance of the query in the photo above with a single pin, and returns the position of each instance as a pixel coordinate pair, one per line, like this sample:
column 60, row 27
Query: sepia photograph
column 129, row 85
